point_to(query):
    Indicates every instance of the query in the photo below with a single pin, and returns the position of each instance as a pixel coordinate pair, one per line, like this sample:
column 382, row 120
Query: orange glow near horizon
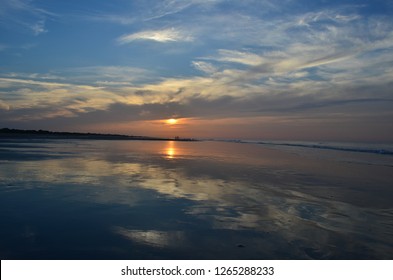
column 171, row 121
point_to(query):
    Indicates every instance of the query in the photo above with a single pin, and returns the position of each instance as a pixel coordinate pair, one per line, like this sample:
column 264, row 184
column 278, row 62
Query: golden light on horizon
column 171, row 121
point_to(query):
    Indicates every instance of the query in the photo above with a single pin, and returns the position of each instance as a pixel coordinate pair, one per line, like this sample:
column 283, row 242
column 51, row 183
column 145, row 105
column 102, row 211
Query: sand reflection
column 153, row 237
column 207, row 194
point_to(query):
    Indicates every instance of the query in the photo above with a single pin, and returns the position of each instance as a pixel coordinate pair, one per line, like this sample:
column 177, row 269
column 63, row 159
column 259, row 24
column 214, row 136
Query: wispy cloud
column 294, row 46
column 161, row 36
column 245, row 58
column 107, row 17
column 333, row 16
column 23, row 13
column 39, row 27
column 152, row 11
column 108, row 75
column 171, row 7
column 205, row 67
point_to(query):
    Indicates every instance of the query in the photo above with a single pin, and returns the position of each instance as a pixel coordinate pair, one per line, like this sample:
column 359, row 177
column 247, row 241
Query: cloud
column 112, row 18
column 245, row 58
column 205, row 67
column 108, row 75
column 39, row 27
column 171, row 7
column 149, row 11
column 24, row 14
column 161, row 36
column 293, row 44
column 4, row 106
column 27, row 94
column 332, row 16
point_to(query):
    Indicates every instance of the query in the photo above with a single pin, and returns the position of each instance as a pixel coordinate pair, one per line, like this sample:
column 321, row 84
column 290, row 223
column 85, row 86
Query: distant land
column 45, row 134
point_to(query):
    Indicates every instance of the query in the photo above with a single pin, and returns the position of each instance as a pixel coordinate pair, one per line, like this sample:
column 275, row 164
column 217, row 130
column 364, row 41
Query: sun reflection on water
column 170, row 150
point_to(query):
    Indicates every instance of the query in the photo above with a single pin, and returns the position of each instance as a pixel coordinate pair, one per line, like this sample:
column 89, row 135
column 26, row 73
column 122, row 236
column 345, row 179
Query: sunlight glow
column 171, row 121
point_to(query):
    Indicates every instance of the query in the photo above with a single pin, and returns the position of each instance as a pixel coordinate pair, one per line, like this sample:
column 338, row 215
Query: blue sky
column 296, row 70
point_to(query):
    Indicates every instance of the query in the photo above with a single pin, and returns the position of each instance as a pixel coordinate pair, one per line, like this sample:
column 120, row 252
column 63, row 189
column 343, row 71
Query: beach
column 121, row 199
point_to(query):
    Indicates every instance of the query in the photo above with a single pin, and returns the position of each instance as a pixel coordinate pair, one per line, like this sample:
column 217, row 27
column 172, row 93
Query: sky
column 253, row 69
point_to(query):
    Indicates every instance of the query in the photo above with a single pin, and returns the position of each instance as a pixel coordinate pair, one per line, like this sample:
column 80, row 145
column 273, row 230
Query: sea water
column 91, row 199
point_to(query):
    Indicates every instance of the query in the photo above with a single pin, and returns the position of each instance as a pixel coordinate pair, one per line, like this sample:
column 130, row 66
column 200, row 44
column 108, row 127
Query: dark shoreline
column 7, row 133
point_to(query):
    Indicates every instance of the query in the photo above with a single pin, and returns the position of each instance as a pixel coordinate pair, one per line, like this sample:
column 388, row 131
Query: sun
column 171, row 121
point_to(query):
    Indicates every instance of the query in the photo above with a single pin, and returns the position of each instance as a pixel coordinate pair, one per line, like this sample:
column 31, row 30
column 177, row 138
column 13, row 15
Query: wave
column 346, row 147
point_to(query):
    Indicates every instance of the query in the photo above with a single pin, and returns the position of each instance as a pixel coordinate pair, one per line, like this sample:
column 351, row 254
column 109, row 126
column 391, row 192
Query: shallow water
column 81, row 199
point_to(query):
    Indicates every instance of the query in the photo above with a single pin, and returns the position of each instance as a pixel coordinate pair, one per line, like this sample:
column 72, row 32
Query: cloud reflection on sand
column 153, row 237
column 261, row 204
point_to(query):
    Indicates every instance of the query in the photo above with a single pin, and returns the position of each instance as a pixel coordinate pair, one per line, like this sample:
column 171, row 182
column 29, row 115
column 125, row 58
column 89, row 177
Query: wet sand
column 93, row 199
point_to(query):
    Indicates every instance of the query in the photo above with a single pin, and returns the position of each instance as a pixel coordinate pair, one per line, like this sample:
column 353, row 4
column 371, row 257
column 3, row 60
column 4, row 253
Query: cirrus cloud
column 161, row 36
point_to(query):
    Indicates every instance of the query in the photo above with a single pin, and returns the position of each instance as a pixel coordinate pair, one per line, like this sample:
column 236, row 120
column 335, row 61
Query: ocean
column 122, row 199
